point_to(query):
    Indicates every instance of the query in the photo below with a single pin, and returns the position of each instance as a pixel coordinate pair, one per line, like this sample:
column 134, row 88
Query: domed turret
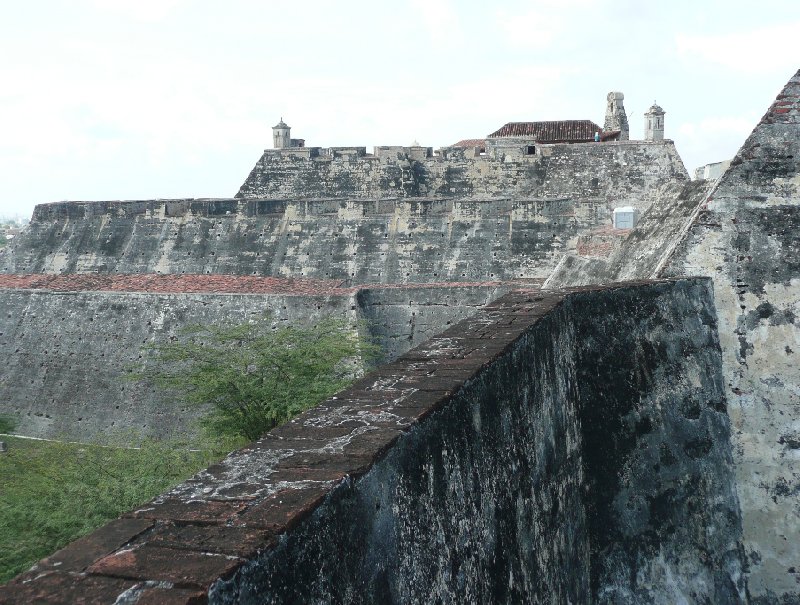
column 654, row 123
column 281, row 139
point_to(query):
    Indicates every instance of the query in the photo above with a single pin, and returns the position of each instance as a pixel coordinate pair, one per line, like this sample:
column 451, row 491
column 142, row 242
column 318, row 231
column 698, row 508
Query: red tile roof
column 562, row 131
column 471, row 143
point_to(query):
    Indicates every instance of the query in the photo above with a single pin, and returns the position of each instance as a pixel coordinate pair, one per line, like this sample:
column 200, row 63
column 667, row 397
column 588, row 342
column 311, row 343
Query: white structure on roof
column 625, row 217
column 712, row 171
column 282, row 138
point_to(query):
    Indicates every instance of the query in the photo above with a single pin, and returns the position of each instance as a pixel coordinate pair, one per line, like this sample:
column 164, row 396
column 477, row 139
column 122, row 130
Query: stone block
column 203, row 512
column 184, row 569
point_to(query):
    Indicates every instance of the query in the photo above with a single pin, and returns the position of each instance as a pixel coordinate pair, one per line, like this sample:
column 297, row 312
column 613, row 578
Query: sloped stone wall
column 69, row 340
column 743, row 231
column 67, row 356
column 465, row 219
column 747, row 237
column 360, row 242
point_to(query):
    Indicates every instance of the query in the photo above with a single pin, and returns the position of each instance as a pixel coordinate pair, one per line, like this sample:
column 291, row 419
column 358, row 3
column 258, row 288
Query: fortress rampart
column 359, row 241
column 543, row 449
column 55, row 327
column 626, row 171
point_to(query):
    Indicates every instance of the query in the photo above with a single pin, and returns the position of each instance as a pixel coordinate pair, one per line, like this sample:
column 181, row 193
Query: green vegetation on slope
column 52, row 493
column 255, row 376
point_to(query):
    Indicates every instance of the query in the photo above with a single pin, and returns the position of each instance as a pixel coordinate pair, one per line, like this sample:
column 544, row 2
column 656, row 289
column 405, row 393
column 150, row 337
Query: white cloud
column 713, row 139
column 140, row 10
column 713, row 126
column 532, row 29
column 547, row 22
column 440, row 18
column 743, row 52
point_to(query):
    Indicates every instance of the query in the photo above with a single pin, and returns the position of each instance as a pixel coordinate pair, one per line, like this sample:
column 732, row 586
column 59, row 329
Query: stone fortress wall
column 561, row 446
column 744, row 233
column 55, row 327
column 409, row 266
column 402, row 217
column 626, row 172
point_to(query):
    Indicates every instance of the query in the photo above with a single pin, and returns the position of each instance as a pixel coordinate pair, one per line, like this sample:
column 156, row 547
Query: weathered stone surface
column 747, row 237
column 555, row 171
column 58, row 588
column 402, row 318
column 357, row 241
column 67, row 355
column 188, row 511
column 81, row 553
column 223, row 540
column 655, row 447
column 50, row 336
column 285, row 509
column 500, row 218
column 575, row 432
column 171, row 596
column 641, row 253
column 743, row 233
column 184, row 569
column 464, row 219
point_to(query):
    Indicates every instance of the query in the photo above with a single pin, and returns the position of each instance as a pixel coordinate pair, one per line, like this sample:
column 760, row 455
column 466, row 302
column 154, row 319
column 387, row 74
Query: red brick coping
column 211, row 284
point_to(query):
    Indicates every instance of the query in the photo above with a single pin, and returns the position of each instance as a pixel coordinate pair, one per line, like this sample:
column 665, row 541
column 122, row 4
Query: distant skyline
column 138, row 99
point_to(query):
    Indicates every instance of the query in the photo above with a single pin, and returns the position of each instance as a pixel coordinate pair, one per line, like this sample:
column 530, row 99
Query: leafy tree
column 256, row 377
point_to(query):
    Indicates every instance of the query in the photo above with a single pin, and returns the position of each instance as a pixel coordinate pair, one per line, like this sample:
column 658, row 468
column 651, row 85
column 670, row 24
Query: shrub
column 255, row 376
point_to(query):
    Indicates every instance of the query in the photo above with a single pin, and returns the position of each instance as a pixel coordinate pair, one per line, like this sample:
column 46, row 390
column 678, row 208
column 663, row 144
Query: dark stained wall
column 743, row 231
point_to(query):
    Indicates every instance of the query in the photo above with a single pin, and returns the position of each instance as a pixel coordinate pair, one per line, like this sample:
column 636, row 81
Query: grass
column 52, row 493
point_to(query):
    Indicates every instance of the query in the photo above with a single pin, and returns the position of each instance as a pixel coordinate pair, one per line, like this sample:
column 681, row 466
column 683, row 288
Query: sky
column 141, row 99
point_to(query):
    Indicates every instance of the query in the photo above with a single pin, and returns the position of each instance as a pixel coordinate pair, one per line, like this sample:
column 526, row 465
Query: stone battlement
column 509, row 166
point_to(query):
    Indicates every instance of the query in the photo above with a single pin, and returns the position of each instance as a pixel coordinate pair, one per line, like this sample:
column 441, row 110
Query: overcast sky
column 135, row 99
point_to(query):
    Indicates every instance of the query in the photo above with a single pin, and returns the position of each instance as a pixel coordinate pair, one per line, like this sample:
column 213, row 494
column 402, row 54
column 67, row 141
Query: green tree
column 255, row 376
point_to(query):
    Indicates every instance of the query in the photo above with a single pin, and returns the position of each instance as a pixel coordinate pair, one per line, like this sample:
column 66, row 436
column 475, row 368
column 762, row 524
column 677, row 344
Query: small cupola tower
column 654, row 123
column 281, row 139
